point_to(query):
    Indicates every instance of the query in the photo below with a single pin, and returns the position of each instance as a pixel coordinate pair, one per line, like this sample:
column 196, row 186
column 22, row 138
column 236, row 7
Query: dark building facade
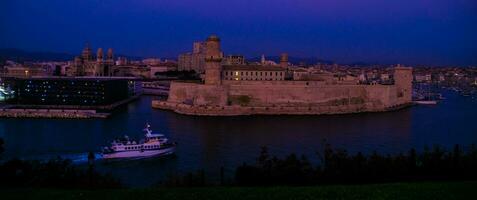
column 73, row 91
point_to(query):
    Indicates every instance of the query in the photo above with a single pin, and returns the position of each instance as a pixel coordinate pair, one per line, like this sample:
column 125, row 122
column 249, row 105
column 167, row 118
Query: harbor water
column 210, row 143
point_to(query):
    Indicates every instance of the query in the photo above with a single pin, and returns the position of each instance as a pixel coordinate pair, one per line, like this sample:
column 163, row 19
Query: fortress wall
column 299, row 93
column 285, row 93
column 211, row 95
column 181, row 92
column 295, row 83
column 381, row 95
column 294, row 94
column 197, row 94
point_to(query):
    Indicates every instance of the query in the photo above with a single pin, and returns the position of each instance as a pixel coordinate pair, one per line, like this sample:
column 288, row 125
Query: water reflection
column 211, row 142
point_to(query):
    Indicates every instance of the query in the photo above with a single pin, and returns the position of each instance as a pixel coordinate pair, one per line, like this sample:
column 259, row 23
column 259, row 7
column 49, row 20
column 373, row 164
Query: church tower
column 213, row 58
column 110, row 55
column 107, row 69
column 87, row 54
column 99, row 55
column 98, row 67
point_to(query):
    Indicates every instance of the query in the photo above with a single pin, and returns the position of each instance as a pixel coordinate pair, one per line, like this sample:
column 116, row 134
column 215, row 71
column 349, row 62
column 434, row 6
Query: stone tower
column 87, row 54
column 99, row 55
column 403, row 82
column 284, row 60
column 110, row 54
column 213, row 58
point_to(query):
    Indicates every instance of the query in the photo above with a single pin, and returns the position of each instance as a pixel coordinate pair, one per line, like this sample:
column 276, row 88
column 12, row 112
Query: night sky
column 431, row 32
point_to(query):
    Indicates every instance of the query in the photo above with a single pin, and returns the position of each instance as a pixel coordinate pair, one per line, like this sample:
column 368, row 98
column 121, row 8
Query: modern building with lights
column 77, row 91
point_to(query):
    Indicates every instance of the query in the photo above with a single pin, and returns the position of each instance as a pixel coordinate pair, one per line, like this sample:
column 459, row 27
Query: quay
column 51, row 113
column 269, row 110
column 66, row 112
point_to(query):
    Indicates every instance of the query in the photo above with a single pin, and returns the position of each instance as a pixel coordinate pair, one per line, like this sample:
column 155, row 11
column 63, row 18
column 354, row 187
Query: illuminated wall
column 6, row 90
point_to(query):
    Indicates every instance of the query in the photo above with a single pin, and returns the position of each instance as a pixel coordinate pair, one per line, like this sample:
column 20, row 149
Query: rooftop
column 75, row 78
column 252, row 68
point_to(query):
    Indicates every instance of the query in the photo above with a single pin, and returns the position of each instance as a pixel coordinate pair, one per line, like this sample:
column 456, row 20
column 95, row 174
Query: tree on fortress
column 242, row 100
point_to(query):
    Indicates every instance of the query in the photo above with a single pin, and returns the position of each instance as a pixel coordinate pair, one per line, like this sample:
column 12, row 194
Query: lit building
column 151, row 61
column 234, row 60
column 25, row 71
column 253, row 73
column 79, row 91
column 184, row 62
column 6, row 92
column 194, row 60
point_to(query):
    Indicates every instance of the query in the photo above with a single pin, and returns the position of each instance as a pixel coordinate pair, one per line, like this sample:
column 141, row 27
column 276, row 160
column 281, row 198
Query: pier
column 51, row 113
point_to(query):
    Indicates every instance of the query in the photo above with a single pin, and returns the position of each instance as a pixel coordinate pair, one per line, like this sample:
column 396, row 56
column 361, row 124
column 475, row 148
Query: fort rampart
column 280, row 97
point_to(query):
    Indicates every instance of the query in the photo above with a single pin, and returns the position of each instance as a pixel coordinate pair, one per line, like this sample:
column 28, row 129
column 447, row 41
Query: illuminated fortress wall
column 284, row 93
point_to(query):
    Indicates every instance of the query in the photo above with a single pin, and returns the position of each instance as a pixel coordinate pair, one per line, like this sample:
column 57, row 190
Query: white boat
column 154, row 145
column 426, row 102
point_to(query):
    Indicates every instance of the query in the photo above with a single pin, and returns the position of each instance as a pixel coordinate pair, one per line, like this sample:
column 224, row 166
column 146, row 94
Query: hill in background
column 20, row 56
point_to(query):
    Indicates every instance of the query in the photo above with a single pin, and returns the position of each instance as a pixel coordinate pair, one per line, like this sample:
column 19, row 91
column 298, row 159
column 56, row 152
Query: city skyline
column 238, row 99
column 415, row 33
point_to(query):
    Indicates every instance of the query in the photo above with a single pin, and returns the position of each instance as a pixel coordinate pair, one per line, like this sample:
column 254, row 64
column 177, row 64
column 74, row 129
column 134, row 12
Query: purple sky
column 435, row 32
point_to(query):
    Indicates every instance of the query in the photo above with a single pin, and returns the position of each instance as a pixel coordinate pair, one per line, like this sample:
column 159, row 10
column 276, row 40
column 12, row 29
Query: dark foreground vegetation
column 433, row 174
column 1, row 146
column 421, row 191
column 338, row 167
column 56, row 173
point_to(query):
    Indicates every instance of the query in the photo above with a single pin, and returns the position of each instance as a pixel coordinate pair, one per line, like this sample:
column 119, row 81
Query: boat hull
column 426, row 102
column 138, row 154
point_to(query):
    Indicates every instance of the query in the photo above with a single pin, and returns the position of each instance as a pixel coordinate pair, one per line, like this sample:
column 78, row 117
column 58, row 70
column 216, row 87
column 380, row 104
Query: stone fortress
column 229, row 90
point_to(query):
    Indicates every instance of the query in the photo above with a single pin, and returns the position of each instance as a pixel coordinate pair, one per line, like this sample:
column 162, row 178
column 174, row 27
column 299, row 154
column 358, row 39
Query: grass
column 428, row 190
